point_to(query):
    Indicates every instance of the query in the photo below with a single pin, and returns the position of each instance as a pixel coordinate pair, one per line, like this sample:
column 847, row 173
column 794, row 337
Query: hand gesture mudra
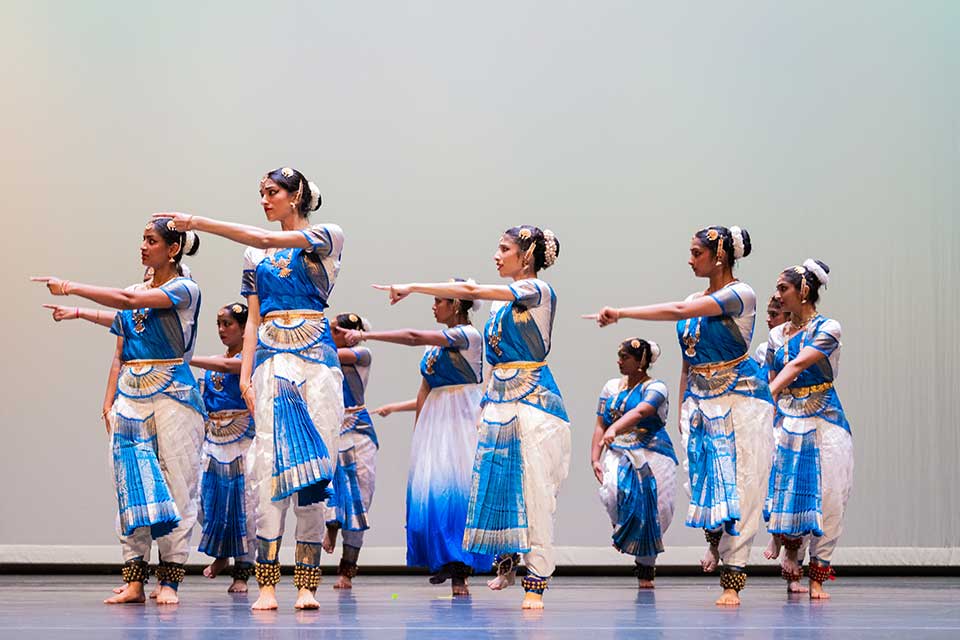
column 397, row 291
column 63, row 313
column 177, row 221
column 57, row 286
column 606, row 316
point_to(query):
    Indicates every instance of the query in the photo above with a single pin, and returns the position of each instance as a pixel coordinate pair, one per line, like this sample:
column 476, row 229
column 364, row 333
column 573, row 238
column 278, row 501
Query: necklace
column 798, row 330
column 282, row 265
column 140, row 315
column 691, row 341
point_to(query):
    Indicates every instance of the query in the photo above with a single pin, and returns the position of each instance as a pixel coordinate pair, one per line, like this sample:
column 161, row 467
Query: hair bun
column 314, row 203
column 654, row 351
column 818, row 269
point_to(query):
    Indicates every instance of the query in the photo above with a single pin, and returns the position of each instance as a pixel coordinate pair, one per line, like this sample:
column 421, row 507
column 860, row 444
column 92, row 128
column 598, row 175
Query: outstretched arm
column 108, row 296
column 807, row 357
column 696, row 308
column 409, row 337
column 394, row 407
column 96, row 316
column 241, row 233
column 448, row 290
column 223, row 364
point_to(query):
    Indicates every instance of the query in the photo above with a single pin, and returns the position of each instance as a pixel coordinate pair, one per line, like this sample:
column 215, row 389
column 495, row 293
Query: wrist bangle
column 77, row 309
column 63, row 287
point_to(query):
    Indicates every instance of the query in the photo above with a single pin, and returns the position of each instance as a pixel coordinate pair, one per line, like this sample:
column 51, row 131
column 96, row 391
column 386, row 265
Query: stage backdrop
column 826, row 129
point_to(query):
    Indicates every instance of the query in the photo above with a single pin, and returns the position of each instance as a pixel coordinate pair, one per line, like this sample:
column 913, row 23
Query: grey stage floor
column 406, row 606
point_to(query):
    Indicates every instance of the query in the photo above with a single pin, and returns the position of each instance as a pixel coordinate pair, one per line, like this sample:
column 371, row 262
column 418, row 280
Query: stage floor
column 407, row 606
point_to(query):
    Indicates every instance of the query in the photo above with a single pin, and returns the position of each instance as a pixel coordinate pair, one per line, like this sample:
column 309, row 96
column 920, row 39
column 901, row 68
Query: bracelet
column 244, row 388
column 63, row 287
column 77, row 310
column 98, row 315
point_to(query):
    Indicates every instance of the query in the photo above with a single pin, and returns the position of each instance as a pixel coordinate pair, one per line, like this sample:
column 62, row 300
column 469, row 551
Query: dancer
column 356, row 475
column 289, row 377
column 633, row 459
column 727, row 411
column 153, row 410
column 775, row 317
column 813, row 469
column 228, row 502
column 524, row 449
column 444, row 442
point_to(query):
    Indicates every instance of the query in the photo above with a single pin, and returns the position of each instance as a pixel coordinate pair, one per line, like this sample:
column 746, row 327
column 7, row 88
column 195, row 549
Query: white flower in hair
column 365, row 324
column 736, row 234
column 185, row 270
column 315, row 198
column 654, row 351
column 550, row 248
column 189, row 241
column 814, row 267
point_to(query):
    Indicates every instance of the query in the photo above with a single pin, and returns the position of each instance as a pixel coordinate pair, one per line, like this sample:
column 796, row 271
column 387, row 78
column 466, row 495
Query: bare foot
column 817, row 592
column 503, row 581
column 215, row 567
column 132, row 593
column 153, row 594
column 267, row 600
column 532, row 601
column 306, row 600
column 121, row 588
column 729, row 598
column 343, row 582
column 238, row 586
column 644, row 584
column 329, row 543
column 710, row 559
column 789, row 563
column 167, row 595
column 794, row 586
column 773, row 549
column 459, row 587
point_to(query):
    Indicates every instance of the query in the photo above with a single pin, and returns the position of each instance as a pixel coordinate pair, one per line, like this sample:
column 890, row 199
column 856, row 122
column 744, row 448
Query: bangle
column 616, row 315
column 98, row 315
column 189, row 222
column 362, row 337
column 77, row 310
column 63, row 287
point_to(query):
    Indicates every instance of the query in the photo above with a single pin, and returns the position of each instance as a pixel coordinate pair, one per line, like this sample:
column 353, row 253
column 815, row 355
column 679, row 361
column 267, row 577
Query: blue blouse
column 221, row 391
column 650, row 433
column 460, row 362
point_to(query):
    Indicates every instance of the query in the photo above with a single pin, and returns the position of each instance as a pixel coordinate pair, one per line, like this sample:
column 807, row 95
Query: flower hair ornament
column 736, row 234
column 814, row 267
column 654, row 351
column 550, row 248
column 314, row 203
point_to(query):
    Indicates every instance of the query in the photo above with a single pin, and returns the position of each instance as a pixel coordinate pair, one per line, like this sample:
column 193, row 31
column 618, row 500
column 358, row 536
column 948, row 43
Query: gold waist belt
column 156, row 363
column 287, row 316
column 713, row 367
column 801, row 392
column 228, row 413
column 520, row 364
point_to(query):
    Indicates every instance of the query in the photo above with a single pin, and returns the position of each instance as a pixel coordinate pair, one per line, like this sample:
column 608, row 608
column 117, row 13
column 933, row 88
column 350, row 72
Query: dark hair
column 349, row 321
column 794, row 276
column 639, row 349
column 238, row 311
column 538, row 240
column 722, row 237
column 295, row 183
column 775, row 303
column 172, row 236
column 465, row 306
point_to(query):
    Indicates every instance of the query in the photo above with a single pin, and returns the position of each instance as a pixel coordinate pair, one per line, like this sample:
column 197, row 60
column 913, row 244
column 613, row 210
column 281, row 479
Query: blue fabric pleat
column 794, row 499
column 435, row 528
column 637, row 531
column 346, row 498
column 497, row 515
column 143, row 497
column 301, row 461
column 224, row 510
column 712, row 457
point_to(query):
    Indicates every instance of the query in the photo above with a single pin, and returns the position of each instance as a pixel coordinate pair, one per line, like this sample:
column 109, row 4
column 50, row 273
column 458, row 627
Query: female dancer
column 633, row 458
column 153, row 409
column 228, row 503
column 775, row 317
column 357, row 463
column 727, row 409
column 813, row 468
column 289, row 376
column 444, row 442
column 524, row 449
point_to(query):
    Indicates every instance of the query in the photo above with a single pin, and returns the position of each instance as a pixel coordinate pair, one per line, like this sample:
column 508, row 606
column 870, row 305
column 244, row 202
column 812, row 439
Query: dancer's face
column 776, row 316
column 627, row 363
column 445, row 311
column 702, row 260
column 230, row 331
column 154, row 250
column 278, row 203
column 788, row 295
column 508, row 258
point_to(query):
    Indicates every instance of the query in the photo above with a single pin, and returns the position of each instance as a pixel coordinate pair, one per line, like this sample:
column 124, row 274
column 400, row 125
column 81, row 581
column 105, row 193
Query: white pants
column 179, row 441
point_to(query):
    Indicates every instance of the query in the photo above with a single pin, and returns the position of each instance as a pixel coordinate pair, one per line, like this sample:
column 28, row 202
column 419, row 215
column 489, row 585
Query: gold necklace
column 691, row 341
column 616, row 412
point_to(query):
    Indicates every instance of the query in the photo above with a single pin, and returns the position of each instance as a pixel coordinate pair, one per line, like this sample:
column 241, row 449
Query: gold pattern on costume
column 691, row 341
column 139, row 317
column 216, row 380
column 281, row 264
column 432, row 358
column 138, row 380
